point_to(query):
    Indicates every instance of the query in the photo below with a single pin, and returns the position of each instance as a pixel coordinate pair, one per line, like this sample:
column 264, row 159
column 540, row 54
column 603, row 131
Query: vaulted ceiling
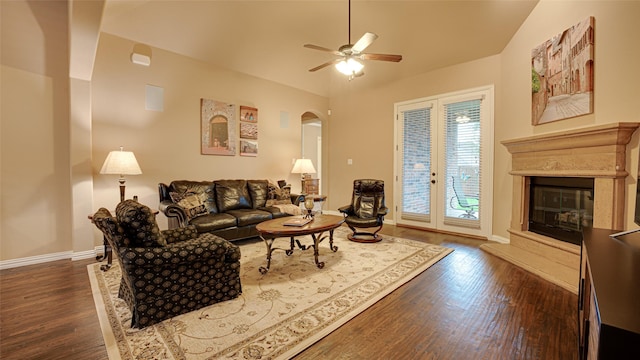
column 265, row 38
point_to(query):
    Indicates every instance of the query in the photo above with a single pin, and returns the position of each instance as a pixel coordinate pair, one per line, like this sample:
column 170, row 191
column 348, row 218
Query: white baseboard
column 81, row 255
column 39, row 259
column 499, row 239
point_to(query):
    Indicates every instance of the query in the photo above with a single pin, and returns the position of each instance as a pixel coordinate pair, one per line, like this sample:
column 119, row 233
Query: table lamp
column 303, row 167
column 122, row 163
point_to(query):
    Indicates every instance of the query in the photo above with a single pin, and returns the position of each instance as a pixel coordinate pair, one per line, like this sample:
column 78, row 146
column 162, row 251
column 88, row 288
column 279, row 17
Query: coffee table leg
column 316, row 244
column 333, row 248
column 269, row 242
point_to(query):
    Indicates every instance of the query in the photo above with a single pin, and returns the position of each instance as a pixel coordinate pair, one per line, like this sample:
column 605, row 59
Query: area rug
column 279, row 314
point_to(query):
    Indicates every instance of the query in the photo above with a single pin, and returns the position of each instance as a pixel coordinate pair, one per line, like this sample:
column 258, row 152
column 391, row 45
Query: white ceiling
column 265, row 38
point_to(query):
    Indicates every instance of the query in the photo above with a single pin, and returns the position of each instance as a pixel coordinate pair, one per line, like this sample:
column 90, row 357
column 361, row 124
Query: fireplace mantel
column 597, row 152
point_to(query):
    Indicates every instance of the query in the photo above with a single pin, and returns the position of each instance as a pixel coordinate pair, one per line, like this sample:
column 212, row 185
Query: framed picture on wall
column 248, row 114
column 562, row 75
column 248, row 148
column 218, row 127
column 248, row 130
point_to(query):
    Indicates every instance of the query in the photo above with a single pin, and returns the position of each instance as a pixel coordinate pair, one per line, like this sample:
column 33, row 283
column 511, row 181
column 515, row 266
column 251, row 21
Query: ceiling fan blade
column 381, row 57
column 316, row 47
column 328, row 63
column 364, row 42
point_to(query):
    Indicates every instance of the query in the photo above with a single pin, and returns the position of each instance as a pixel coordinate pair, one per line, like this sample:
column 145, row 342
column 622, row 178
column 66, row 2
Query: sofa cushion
column 202, row 188
column 139, row 224
column 211, row 222
column 250, row 216
column 259, row 192
column 232, row 195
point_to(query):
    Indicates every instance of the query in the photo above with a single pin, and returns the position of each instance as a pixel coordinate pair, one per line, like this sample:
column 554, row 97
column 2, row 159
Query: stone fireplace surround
column 597, row 152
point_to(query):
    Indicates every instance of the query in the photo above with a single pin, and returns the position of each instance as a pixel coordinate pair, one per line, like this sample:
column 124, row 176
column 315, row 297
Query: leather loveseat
column 230, row 209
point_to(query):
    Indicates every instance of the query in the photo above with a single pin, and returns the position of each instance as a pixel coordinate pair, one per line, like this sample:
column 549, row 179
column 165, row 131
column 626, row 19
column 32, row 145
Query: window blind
column 416, row 165
column 462, row 161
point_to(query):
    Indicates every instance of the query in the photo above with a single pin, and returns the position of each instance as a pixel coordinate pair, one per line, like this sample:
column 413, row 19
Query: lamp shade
column 303, row 166
column 121, row 162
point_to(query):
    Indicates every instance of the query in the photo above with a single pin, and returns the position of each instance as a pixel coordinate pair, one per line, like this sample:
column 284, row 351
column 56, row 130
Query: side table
column 107, row 253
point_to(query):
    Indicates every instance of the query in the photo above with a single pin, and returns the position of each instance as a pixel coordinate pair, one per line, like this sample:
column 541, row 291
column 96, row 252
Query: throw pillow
column 176, row 197
column 286, row 194
column 274, row 191
column 193, row 206
column 272, row 202
column 139, row 224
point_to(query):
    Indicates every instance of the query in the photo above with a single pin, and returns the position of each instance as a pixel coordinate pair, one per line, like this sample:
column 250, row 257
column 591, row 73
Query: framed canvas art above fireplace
column 562, row 75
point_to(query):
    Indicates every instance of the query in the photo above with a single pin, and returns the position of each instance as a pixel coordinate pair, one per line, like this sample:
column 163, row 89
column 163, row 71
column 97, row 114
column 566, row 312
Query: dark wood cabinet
column 609, row 298
column 310, row 186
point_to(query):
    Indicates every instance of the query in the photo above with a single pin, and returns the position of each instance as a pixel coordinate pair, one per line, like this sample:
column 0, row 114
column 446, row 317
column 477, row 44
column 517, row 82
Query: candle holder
column 308, row 204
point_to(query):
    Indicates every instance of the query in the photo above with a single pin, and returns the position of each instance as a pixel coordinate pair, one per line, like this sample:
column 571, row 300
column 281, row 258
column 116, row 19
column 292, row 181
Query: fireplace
column 560, row 207
column 562, row 182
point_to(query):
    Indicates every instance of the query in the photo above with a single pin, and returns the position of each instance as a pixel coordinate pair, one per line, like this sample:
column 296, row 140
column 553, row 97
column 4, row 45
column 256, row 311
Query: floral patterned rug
column 279, row 314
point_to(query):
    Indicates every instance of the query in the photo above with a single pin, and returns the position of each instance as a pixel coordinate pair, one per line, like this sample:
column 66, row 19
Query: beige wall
column 362, row 124
column 617, row 50
column 35, row 199
column 167, row 144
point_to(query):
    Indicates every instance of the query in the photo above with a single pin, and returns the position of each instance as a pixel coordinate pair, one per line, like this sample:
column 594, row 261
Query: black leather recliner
column 367, row 210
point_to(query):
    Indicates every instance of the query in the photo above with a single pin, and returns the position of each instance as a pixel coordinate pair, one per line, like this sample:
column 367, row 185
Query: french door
column 443, row 162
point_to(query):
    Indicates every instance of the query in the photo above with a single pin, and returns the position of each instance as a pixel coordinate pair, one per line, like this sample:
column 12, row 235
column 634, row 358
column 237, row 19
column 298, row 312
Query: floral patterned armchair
column 171, row 272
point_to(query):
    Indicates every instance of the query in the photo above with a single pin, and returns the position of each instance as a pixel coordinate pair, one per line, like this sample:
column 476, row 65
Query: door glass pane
column 416, row 166
column 462, row 157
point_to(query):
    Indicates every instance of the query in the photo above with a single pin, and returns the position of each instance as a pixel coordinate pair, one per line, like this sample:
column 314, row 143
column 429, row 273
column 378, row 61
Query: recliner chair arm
column 347, row 209
column 383, row 211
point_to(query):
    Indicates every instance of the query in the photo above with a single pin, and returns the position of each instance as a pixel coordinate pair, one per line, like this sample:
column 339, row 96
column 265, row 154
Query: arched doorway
column 311, row 143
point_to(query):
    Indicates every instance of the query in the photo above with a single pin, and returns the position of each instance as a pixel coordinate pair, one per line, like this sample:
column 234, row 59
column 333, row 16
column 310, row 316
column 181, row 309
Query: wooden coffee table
column 272, row 229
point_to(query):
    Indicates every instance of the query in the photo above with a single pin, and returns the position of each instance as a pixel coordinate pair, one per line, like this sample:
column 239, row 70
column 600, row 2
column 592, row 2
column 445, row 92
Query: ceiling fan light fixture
column 349, row 67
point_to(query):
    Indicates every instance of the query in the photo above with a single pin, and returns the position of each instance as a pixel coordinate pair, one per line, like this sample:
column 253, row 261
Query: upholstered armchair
column 171, row 272
column 367, row 210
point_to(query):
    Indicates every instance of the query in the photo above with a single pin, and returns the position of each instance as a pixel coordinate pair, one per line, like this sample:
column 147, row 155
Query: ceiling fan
column 349, row 54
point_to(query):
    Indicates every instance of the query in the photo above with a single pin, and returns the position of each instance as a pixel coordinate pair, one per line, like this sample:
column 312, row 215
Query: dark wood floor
column 470, row 305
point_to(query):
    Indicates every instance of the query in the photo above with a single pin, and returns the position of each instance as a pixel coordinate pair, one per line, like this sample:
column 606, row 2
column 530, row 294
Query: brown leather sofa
column 230, row 209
